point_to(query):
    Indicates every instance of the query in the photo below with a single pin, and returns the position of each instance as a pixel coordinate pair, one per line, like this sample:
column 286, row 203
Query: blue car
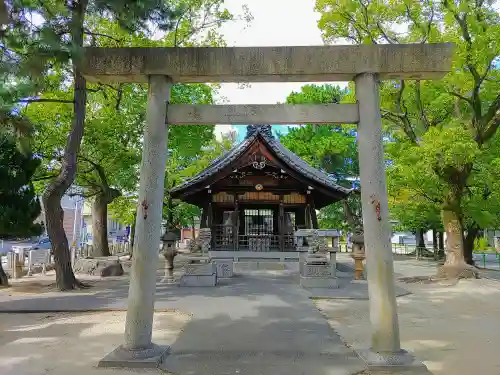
column 43, row 244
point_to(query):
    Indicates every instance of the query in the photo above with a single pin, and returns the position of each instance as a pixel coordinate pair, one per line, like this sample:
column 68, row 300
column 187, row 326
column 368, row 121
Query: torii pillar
column 364, row 64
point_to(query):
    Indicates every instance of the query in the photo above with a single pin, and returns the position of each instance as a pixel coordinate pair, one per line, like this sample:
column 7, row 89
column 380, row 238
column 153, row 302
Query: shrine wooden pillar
column 307, row 217
column 210, row 218
column 281, row 225
column 312, row 211
column 235, row 222
column 308, row 211
column 203, row 221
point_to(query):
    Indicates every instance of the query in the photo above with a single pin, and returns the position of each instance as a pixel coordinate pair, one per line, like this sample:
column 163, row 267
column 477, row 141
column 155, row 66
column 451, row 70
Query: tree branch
column 492, row 128
column 43, row 178
column 91, row 183
column 478, row 80
column 91, row 33
column 100, row 171
column 420, row 106
column 407, row 127
column 176, row 32
column 45, row 100
column 469, row 101
column 84, row 195
column 119, row 97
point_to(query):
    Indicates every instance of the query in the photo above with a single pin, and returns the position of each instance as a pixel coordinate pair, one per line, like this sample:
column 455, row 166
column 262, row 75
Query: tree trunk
column 353, row 221
column 132, row 236
column 4, row 280
column 434, row 240
column 193, row 229
column 440, row 244
column 420, row 239
column 469, row 239
column 100, row 226
column 454, row 266
column 65, row 278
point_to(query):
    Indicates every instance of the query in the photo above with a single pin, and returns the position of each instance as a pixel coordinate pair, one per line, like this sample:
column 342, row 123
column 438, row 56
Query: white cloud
column 275, row 23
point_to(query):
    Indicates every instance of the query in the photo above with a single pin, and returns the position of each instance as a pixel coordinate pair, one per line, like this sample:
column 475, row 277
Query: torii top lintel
column 268, row 64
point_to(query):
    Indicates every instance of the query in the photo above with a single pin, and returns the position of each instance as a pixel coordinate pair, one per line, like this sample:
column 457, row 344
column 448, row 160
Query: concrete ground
column 70, row 343
column 257, row 323
column 454, row 330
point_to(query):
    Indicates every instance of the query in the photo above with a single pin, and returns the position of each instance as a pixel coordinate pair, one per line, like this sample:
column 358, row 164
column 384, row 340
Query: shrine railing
column 223, row 239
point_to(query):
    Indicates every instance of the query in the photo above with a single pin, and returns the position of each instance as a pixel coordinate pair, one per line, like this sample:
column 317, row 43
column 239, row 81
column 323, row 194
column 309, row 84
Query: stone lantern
column 358, row 254
column 169, row 252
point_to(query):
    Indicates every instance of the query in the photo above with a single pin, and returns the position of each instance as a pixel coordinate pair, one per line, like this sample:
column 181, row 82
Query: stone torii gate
column 162, row 67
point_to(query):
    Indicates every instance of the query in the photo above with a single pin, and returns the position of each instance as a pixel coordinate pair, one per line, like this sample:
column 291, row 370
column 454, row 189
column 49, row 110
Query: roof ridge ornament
column 264, row 129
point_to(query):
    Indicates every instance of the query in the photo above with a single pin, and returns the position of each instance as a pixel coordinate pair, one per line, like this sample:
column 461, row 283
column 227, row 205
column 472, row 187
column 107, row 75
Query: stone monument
column 358, row 254
column 205, row 239
column 169, row 252
column 315, row 267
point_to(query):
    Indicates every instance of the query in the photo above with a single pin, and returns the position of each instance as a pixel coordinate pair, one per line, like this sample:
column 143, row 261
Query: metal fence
column 407, row 250
column 88, row 250
column 487, row 260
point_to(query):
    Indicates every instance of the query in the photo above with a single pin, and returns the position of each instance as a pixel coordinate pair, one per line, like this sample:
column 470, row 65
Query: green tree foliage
column 450, row 123
column 414, row 195
column 19, row 205
column 44, row 42
column 181, row 167
column 331, row 148
column 42, row 48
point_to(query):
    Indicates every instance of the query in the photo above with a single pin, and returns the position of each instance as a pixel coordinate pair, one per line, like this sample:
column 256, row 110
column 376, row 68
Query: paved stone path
column 258, row 323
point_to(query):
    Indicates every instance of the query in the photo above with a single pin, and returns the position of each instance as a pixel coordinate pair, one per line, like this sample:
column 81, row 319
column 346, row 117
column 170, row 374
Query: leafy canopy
column 19, row 205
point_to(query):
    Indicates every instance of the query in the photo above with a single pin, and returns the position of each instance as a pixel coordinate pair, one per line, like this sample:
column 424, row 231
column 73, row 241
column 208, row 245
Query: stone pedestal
column 122, row 357
column 225, row 268
column 396, row 362
column 202, row 274
column 317, row 273
column 205, row 240
column 197, row 259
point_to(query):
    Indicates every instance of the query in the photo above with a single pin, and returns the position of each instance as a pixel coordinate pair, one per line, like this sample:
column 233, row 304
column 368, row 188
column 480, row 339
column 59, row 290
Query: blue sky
column 241, row 130
column 265, row 30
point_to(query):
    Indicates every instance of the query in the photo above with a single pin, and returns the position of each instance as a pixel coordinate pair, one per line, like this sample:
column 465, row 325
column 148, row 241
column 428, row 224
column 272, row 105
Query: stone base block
column 400, row 361
column 316, row 259
column 198, row 280
column 224, row 268
column 126, row 358
column 318, row 270
column 318, row 282
column 245, row 266
column 197, row 258
column 200, row 269
column 359, row 282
